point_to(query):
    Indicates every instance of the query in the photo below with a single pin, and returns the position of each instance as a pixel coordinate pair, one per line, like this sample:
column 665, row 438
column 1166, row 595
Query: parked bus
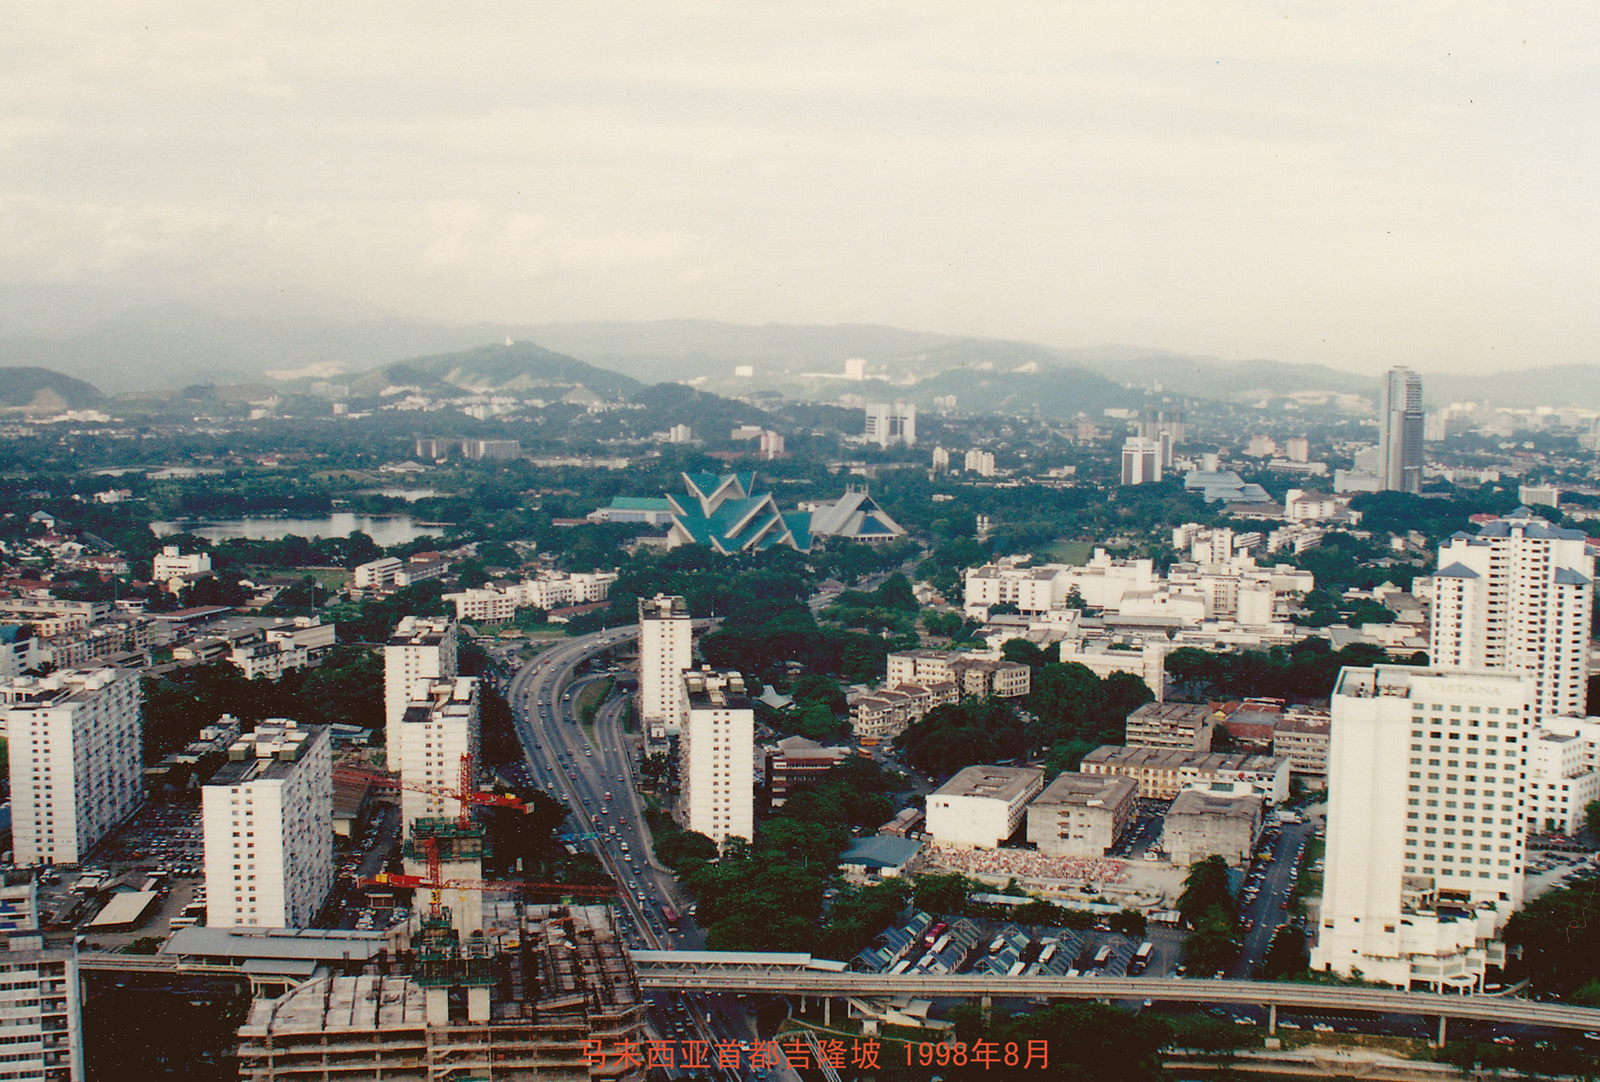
column 1141, row 958
column 1102, row 957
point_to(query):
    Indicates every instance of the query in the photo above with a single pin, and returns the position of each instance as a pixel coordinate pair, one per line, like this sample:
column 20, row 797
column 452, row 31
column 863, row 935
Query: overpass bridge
column 790, row 979
column 801, row 975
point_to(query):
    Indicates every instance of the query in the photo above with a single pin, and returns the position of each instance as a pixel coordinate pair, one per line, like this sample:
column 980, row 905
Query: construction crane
column 465, row 794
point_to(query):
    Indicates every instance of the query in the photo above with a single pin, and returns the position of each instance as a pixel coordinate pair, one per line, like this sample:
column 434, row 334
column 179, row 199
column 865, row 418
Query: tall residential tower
column 421, row 648
column 1518, row 596
column 75, row 740
column 268, row 819
column 666, row 649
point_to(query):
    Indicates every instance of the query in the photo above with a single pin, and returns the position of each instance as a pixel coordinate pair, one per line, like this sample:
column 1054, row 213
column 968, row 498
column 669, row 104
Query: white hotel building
column 1441, row 752
column 75, row 741
column 268, row 821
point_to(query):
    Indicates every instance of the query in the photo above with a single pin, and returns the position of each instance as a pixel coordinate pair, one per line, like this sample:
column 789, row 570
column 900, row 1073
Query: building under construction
column 515, row 1006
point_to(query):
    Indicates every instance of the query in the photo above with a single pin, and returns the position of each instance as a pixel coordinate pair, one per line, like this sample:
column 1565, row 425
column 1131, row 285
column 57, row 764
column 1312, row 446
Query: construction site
column 506, row 1003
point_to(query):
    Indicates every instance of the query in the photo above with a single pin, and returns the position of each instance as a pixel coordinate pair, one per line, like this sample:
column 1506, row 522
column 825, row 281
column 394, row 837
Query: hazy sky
column 1348, row 183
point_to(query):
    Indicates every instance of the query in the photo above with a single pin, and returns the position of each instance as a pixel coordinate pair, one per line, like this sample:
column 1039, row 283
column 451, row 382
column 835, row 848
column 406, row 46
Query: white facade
column 268, row 820
column 378, row 573
column 1441, row 751
column 173, row 562
column 75, row 740
column 438, row 726
column 1518, row 596
column 980, row 462
column 889, row 424
column 421, row 648
column 39, row 997
column 982, row 806
column 1141, row 461
column 716, row 750
column 485, row 606
column 1559, row 782
column 554, row 590
column 666, row 649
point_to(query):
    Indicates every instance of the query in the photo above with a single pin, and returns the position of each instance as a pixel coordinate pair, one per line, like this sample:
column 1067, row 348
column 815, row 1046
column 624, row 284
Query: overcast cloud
column 1347, row 183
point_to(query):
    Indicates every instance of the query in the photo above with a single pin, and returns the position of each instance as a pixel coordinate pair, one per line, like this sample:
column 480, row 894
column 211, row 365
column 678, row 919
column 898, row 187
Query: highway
column 595, row 780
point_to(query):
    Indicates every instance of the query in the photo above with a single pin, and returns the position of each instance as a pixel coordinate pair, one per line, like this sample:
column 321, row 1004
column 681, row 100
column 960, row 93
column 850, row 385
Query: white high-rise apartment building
column 268, row 820
column 1400, row 424
column 75, row 740
column 666, row 649
column 43, row 1035
column 1425, row 830
column 1518, row 596
column 439, row 726
column 421, row 648
column 174, row 562
column 889, row 424
column 717, row 794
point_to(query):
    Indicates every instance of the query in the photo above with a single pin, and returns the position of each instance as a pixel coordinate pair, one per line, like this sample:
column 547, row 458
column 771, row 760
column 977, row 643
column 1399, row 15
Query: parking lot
column 161, row 837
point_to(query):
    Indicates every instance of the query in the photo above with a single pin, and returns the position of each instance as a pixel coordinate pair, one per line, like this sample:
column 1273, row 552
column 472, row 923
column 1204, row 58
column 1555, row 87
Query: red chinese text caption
column 862, row 1054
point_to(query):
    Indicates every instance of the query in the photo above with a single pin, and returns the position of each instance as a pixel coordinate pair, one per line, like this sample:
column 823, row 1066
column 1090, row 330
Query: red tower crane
column 465, row 794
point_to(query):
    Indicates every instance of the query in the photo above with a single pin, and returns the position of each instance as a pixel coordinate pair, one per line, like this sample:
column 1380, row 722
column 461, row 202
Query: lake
column 385, row 530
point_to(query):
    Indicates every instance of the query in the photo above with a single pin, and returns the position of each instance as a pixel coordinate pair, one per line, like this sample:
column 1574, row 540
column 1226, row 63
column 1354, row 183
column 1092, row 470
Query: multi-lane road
column 591, row 769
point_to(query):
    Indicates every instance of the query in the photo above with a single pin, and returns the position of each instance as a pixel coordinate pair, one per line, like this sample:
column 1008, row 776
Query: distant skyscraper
column 1400, row 431
column 1141, row 461
column 1518, row 596
column 887, row 424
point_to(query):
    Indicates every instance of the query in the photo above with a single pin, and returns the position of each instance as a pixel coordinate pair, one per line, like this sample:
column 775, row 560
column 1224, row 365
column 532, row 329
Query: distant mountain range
column 175, row 344
column 39, row 390
column 520, row 367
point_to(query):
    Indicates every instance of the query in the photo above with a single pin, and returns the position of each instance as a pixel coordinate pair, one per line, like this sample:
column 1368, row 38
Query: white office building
column 39, row 997
column 982, row 806
column 1518, row 596
column 888, row 424
column 175, row 563
column 438, row 727
column 421, row 648
column 75, row 740
column 716, row 753
column 268, row 820
column 1141, row 461
column 1440, row 751
column 666, row 649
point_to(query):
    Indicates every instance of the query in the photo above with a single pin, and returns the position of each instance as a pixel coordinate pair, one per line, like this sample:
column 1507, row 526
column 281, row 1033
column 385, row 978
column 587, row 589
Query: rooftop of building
column 663, row 607
column 1217, row 805
column 1087, row 790
column 709, row 690
column 1399, row 681
column 1176, row 758
column 318, row 944
column 268, row 754
column 1196, row 713
column 996, row 782
column 422, row 631
column 881, row 851
column 58, row 688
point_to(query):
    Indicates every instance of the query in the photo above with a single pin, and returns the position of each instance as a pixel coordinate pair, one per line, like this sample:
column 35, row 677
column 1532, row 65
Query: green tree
column 944, row 894
column 1286, row 955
